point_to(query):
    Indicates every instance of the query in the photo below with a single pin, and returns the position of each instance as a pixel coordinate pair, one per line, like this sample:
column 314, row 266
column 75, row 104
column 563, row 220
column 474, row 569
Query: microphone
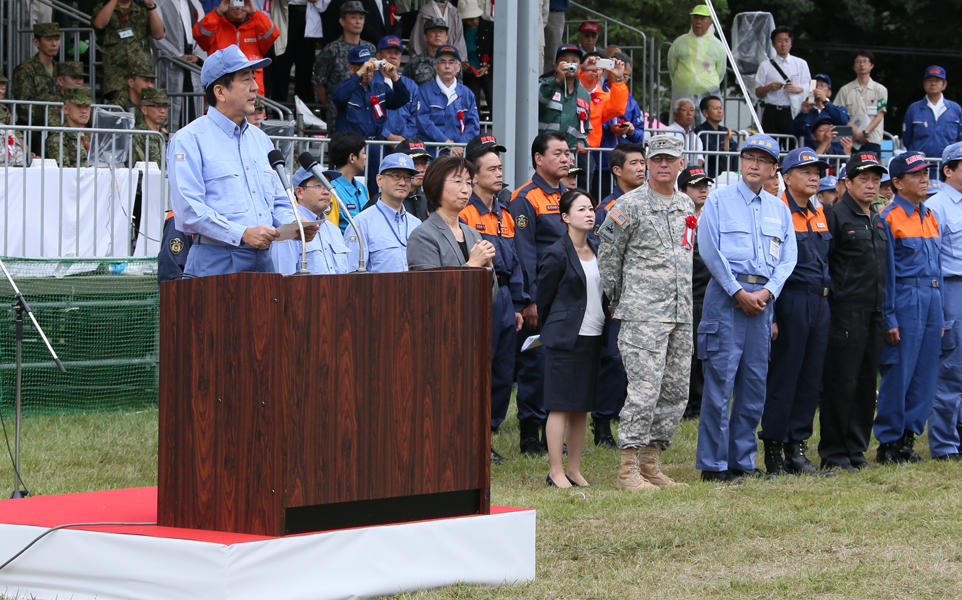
column 307, row 161
column 276, row 160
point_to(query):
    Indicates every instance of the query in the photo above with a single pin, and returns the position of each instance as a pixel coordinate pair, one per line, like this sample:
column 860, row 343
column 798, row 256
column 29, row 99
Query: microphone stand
column 20, row 307
column 350, row 219
column 300, row 226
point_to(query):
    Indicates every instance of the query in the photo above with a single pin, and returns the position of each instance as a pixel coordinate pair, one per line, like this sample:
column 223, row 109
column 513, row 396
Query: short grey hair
column 677, row 104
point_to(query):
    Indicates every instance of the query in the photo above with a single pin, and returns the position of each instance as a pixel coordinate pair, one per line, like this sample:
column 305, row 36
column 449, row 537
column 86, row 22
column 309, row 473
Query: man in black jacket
column 857, row 266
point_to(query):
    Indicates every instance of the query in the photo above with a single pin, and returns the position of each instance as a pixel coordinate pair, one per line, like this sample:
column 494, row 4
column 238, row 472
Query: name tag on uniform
column 775, row 249
column 820, row 225
column 556, row 97
column 872, row 111
column 125, row 33
column 250, row 41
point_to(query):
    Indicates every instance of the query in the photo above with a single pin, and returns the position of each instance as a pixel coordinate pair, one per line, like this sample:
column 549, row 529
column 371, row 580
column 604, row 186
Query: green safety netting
column 102, row 318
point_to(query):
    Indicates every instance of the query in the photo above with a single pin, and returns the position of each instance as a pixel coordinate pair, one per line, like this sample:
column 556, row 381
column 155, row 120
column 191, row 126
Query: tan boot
column 650, row 468
column 629, row 477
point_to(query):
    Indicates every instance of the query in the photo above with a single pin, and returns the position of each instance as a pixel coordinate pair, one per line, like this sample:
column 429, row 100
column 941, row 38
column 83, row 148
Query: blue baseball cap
column 843, row 171
column 952, row 152
column 389, row 41
column 447, row 49
column 825, row 78
column 907, row 162
column 800, row 157
column 359, row 54
column 935, row 186
column 300, row 176
column 227, row 60
column 398, row 160
column 935, row 71
column 568, row 48
column 827, row 183
column 885, row 178
column 760, row 141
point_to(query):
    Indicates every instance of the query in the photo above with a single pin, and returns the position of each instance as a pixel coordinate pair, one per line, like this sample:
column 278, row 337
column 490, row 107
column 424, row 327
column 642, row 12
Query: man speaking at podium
column 222, row 187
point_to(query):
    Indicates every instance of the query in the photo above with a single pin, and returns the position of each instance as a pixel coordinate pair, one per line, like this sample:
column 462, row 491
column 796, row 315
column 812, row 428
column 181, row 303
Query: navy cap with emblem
column 935, row 71
column 862, row 161
column 693, row 176
column 907, row 162
column 800, row 157
column 568, row 48
column 359, row 54
column 447, row 49
column 389, row 41
column 825, row 78
column 414, row 148
column 481, row 142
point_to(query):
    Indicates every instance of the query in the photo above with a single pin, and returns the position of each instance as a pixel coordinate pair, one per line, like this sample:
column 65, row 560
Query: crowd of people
column 621, row 287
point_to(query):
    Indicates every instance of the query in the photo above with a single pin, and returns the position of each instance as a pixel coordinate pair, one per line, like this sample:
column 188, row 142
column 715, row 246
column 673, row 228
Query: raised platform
column 147, row 562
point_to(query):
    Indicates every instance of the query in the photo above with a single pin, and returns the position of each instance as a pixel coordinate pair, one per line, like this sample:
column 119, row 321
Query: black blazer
column 563, row 296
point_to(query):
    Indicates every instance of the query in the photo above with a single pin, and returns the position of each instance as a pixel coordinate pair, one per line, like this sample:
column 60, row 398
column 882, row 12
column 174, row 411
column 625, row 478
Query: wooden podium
column 307, row 403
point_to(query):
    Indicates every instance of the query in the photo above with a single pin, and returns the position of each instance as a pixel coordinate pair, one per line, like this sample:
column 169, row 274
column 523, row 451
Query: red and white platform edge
column 148, row 562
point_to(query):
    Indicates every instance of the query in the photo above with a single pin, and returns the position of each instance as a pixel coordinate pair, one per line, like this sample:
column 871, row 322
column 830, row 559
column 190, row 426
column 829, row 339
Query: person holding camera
column 237, row 22
column 564, row 104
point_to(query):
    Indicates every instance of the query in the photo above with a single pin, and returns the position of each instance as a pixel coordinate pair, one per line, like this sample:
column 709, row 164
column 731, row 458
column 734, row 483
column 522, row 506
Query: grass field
column 894, row 532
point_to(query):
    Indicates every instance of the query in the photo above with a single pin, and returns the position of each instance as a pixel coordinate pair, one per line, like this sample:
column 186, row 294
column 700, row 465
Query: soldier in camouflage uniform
column 645, row 259
column 69, row 75
column 122, row 31
column 153, row 110
column 13, row 151
column 76, row 108
column 331, row 66
column 141, row 78
column 35, row 79
column 421, row 66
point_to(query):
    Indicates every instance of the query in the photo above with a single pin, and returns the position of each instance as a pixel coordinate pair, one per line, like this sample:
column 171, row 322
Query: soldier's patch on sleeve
column 617, row 217
column 607, row 230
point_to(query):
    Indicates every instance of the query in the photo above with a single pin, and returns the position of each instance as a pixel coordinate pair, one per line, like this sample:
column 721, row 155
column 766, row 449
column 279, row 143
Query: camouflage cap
column 3, row 78
column 155, row 95
column 258, row 105
column 141, row 67
column 665, row 144
column 78, row 95
column 46, row 29
column 435, row 23
column 70, row 69
column 353, row 6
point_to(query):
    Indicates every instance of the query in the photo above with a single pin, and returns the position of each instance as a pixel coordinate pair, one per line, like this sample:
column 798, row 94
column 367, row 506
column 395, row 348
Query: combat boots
column 603, row 436
column 798, row 464
column 649, row 459
column 774, row 459
column 629, row 473
column 907, row 448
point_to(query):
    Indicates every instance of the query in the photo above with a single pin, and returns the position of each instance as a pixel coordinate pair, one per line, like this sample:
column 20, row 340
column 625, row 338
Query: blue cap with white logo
column 800, row 157
column 760, row 141
column 227, row 60
column 359, row 54
column 398, row 160
column 827, row 183
column 907, row 162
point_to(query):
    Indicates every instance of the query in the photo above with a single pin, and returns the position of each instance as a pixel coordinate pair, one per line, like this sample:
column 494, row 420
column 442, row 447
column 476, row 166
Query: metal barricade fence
column 12, row 105
column 102, row 210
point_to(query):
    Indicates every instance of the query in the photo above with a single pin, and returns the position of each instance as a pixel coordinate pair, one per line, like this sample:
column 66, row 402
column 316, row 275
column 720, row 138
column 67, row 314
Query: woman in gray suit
column 443, row 240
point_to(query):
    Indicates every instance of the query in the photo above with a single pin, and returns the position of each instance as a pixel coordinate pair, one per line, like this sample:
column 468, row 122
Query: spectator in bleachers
column 361, row 103
column 420, row 68
column 819, row 110
column 606, row 104
column 825, row 139
column 249, row 29
column 349, row 157
column 179, row 18
column 683, row 114
column 782, row 84
column 445, row 11
column 69, row 74
column 697, row 60
column 564, row 104
column 381, row 18
column 141, row 77
column 123, row 28
column 400, row 123
column 331, row 66
column 868, row 98
column 885, row 187
column 302, row 32
column 554, row 28
column 714, row 136
column 153, row 106
column 76, row 109
column 629, row 127
column 827, row 190
column 447, row 110
column 588, row 37
column 932, row 123
column 35, row 79
column 259, row 114
column 479, row 38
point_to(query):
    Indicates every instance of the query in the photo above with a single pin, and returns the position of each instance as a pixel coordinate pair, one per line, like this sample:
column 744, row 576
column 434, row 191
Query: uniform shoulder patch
column 617, row 217
column 521, row 221
column 176, row 245
column 607, row 231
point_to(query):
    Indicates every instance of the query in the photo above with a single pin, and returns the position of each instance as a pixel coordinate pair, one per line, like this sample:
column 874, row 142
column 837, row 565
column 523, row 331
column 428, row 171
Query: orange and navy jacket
column 914, row 251
column 606, row 105
column 497, row 226
column 812, row 238
column 537, row 225
column 601, row 211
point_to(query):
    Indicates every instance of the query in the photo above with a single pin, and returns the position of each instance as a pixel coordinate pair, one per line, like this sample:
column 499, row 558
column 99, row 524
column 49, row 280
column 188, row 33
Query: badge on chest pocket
column 775, row 248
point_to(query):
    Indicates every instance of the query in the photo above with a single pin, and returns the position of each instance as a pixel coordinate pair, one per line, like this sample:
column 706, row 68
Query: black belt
column 751, row 279
column 775, row 106
column 957, row 278
column 203, row 239
column 918, row 281
column 803, row 288
column 503, row 280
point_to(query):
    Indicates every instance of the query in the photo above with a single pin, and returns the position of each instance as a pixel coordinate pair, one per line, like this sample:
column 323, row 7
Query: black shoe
column 774, row 457
column 830, row 466
column 550, row 481
column 603, row 436
column 906, row 448
column 888, row 454
column 530, row 442
column 757, row 473
column 573, row 484
column 722, row 477
column 798, row 464
column 952, row 457
column 497, row 459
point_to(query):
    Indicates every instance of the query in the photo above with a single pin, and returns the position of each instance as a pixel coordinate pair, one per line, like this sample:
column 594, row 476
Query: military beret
column 352, row 6
column 46, row 29
column 70, row 69
column 155, row 95
column 665, row 144
column 78, row 95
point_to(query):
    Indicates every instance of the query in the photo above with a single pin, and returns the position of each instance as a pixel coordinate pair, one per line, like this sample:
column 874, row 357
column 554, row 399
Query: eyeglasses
column 748, row 158
column 663, row 158
column 461, row 183
column 863, row 61
column 398, row 177
column 310, row 187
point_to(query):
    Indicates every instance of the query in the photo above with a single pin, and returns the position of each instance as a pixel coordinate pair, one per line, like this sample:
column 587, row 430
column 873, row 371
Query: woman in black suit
column 575, row 311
